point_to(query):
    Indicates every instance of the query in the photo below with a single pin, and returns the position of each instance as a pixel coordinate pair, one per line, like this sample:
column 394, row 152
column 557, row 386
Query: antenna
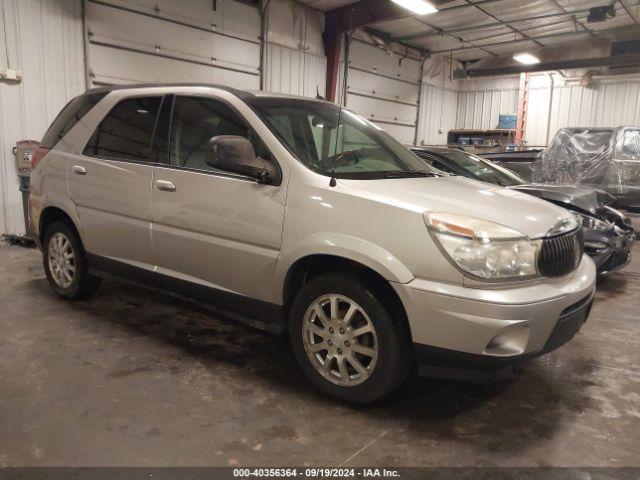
column 318, row 96
column 347, row 38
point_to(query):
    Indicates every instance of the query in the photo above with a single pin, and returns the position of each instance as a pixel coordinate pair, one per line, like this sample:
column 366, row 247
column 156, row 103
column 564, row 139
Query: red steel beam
column 346, row 18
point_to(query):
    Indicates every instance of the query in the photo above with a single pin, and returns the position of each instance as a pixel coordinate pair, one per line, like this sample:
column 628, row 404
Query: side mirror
column 232, row 153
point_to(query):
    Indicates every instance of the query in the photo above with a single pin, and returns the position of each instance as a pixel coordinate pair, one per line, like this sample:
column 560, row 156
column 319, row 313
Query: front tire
column 345, row 341
column 65, row 263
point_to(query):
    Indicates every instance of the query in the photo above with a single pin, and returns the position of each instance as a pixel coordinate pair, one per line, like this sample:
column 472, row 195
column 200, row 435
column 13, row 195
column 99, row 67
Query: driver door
column 213, row 228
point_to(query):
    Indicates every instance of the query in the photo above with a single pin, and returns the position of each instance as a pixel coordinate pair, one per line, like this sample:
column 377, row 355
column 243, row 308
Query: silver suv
column 293, row 215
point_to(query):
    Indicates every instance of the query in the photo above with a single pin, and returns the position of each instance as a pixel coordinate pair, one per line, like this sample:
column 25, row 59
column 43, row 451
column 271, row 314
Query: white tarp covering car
column 605, row 158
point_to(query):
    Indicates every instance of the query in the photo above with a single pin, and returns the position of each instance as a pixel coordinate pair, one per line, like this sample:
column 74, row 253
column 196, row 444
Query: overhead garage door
column 384, row 89
column 213, row 41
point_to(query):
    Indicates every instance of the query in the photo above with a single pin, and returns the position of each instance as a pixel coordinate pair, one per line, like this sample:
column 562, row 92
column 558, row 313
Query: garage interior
column 134, row 377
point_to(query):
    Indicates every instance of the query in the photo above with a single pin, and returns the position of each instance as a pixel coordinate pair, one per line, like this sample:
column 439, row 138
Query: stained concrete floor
column 133, row 377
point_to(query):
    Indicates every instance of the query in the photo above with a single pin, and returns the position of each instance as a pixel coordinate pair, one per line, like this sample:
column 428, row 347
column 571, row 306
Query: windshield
column 353, row 149
column 482, row 169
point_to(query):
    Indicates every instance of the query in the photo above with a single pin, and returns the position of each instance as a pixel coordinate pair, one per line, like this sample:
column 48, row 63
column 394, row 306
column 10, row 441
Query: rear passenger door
column 212, row 227
column 111, row 183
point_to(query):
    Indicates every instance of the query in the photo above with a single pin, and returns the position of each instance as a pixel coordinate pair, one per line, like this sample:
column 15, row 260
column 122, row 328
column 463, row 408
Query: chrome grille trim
column 561, row 254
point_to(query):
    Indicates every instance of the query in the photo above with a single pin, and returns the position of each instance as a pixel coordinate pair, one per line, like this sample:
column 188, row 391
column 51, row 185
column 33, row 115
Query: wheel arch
column 313, row 265
column 52, row 213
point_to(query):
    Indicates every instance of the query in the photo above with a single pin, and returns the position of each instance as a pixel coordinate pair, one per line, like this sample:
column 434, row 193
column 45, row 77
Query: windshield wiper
column 410, row 173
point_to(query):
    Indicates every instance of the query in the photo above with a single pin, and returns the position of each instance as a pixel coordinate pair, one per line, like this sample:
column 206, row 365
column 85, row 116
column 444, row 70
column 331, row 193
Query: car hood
column 452, row 194
column 589, row 200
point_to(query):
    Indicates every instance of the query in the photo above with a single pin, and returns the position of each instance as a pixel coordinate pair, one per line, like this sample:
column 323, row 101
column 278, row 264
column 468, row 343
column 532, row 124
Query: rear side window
column 126, row 132
column 68, row 117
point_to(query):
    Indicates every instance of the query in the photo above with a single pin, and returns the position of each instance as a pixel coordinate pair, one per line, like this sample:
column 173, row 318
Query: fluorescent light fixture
column 421, row 7
column 526, row 58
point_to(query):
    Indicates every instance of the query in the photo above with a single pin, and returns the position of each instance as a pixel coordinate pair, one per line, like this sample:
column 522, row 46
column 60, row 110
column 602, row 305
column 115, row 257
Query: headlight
column 484, row 249
column 592, row 223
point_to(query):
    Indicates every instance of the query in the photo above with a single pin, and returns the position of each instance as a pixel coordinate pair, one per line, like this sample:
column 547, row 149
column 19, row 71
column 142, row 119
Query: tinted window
column 195, row 121
column 125, row 133
column 69, row 116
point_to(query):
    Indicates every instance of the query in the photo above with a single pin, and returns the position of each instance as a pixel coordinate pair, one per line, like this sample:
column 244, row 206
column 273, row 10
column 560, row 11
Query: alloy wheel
column 61, row 259
column 340, row 340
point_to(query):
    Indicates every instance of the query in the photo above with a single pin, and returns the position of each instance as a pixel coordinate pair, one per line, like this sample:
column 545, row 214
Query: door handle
column 79, row 170
column 165, row 186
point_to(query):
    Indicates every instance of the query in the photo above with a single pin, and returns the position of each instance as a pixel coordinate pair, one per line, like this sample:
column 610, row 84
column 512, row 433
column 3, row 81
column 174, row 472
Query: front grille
column 561, row 254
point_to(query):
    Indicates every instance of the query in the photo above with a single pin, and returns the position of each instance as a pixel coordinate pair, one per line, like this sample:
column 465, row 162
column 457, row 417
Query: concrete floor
column 133, row 377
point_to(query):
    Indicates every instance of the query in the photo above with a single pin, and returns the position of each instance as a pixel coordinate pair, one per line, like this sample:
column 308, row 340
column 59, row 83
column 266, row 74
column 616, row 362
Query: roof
column 111, row 88
column 434, row 149
column 242, row 94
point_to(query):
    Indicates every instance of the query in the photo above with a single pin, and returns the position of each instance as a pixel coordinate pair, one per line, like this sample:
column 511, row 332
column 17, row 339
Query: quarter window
column 195, row 121
column 68, row 117
column 126, row 132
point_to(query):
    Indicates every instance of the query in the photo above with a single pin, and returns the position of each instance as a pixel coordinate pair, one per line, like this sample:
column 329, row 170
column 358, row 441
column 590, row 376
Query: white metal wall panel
column 152, row 41
column 44, row 41
column 294, row 72
column 294, row 55
column 480, row 109
column 438, row 108
column 619, row 104
column 601, row 105
column 536, row 125
column 384, row 89
column 294, row 25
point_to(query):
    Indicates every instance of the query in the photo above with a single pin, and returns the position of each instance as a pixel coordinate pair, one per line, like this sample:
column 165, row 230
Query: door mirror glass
column 232, row 153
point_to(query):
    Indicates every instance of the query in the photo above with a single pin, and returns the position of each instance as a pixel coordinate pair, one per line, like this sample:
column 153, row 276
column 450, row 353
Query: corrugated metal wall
column 294, row 72
column 480, row 109
column 438, row 107
column 294, row 55
column 604, row 104
column 44, row 41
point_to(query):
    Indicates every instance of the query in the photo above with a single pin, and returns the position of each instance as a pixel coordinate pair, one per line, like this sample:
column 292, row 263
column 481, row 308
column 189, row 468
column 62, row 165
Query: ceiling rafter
column 460, row 39
column 626, row 9
column 578, row 22
column 492, row 25
column 507, row 24
column 551, row 24
column 541, row 37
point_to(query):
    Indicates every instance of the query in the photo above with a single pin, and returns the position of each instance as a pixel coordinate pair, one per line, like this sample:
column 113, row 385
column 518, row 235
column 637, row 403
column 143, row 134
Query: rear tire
column 345, row 341
column 65, row 263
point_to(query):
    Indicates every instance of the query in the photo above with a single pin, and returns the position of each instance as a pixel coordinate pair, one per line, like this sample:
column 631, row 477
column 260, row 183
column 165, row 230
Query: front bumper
column 456, row 329
column 610, row 251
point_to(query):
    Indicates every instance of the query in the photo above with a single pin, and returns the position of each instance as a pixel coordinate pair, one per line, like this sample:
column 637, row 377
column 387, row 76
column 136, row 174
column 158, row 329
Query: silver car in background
column 296, row 216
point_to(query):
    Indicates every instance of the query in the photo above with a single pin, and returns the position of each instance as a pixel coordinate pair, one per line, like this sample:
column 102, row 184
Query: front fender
column 343, row 246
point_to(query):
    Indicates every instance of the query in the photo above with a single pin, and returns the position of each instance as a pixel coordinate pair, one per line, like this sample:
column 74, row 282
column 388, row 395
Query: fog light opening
column 511, row 341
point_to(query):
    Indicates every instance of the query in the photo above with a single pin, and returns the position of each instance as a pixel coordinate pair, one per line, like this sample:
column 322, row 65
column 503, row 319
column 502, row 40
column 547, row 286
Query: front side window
column 195, row 121
column 630, row 149
column 328, row 140
column 126, row 132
